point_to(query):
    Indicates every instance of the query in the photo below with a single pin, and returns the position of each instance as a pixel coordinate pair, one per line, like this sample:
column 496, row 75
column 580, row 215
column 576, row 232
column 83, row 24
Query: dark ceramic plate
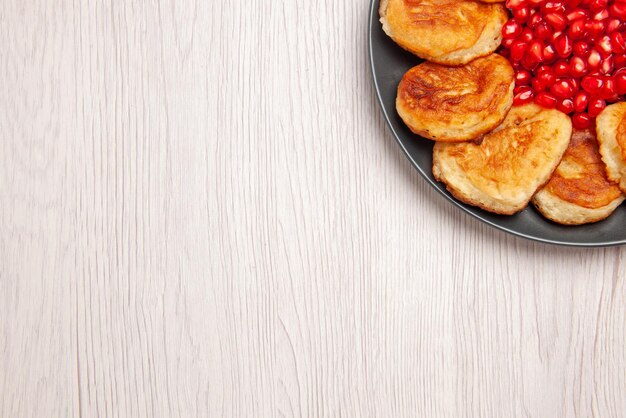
column 389, row 63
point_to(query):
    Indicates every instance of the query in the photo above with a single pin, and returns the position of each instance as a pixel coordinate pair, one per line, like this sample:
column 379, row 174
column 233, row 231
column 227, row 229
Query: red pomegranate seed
column 514, row 4
column 522, row 78
column 595, row 27
column 578, row 67
column 511, row 29
column 521, row 14
column 609, row 91
column 607, row 65
column 601, row 15
column 556, row 20
column 613, row 24
column 577, row 29
column 543, row 31
column 549, row 54
column 546, row 100
column 563, row 46
column 566, row 106
column 596, row 106
column 597, row 5
column 518, row 49
column 577, row 14
column 592, row 84
column 562, row 89
column 581, row 121
column 619, row 61
column 620, row 82
column 527, row 35
column 534, row 20
column 523, row 96
column 618, row 43
column 581, row 101
column 594, row 60
column 581, row 49
column 603, row 45
column 535, row 51
column 561, row 68
column 618, row 10
column 553, row 7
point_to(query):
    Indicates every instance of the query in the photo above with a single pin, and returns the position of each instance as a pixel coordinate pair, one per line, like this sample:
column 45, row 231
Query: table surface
column 202, row 213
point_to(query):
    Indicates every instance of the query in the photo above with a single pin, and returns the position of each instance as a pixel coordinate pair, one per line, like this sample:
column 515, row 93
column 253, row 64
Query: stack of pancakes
column 490, row 153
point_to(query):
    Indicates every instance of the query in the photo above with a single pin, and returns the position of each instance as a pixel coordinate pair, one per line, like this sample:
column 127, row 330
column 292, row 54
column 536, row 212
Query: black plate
column 389, row 63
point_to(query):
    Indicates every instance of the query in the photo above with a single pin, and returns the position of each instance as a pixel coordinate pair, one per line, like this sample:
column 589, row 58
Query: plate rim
column 607, row 244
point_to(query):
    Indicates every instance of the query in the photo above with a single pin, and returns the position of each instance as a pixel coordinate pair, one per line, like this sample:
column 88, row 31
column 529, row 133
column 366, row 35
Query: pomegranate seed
column 603, row 46
column 527, row 35
column 597, row 5
column 596, row 106
column 595, row 27
column 619, row 61
column 607, row 65
column 563, row 46
column 521, row 14
column 535, row 51
column 546, row 100
column 592, row 84
column 581, row 121
column 556, row 20
column 618, row 43
column 561, row 68
column 581, row 49
column 553, row 7
column 543, row 31
column 609, row 91
column 618, row 10
column 581, row 101
column 594, row 60
column 549, row 54
column 511, row 29
column 534, row 20
column 578, row 67
column 522, row 78
column 528, row 63
column 523, row 96
column 620, row 82
column 601, row 15
column 566, row 106
column 577, row 14
column 577, row 29
column 518, row 49
column 613, row 25
column 514, row 4
column 562, row 89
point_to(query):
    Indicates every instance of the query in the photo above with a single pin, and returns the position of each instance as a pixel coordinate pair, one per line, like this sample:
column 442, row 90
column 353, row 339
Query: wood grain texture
column 202, row 213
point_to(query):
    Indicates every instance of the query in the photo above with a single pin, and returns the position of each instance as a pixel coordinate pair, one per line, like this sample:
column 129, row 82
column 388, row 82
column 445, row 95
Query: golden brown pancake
column 579, row 191
column 456, row 104
column 503, row 173
column 611, row 130
column 451, row 32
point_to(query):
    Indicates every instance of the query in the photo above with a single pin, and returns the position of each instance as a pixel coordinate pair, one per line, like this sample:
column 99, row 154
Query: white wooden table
column 202, row 213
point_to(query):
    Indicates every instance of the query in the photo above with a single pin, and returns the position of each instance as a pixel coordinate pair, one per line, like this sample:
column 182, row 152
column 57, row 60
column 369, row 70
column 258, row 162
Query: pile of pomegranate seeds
column 568, row 54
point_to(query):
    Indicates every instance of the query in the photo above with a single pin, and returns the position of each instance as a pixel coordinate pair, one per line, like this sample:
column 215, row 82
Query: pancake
column 611, row 130
column 579, row 191
column 502, row 173
column 456, row 103
column 452, row 32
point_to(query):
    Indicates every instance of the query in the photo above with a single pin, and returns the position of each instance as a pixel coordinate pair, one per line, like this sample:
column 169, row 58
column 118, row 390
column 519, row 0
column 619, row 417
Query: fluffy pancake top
column 435, row 28
column 581, row 177
column 611, row 130
column 620, row 136
column 456, row 103
column 503, row 172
